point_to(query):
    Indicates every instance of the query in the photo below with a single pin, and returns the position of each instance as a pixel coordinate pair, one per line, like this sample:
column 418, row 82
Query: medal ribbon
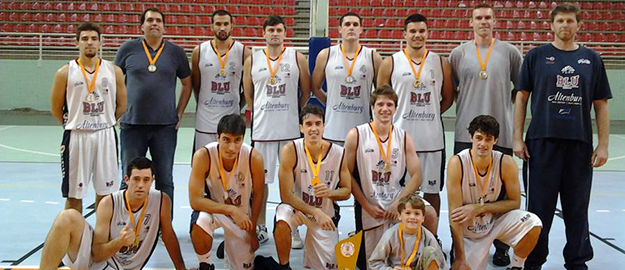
column 387, row 155
column 479, row 58
column 90, row 85
column 315, row 170
column 222, row 172
column 349, row 68
column 273, row 72
column 483, row 183
column 414, row 250
column 137, row 226
column 417, row 74
column 222, row 62
column 147, row 52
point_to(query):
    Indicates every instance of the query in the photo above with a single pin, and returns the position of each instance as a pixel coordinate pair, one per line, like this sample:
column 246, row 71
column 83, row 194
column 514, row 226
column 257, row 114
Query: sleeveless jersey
column 379, row 187
column 84, row 111
column 219, row 95
column 418, row 109
column 329, row 173
column 136, row 257
column 275, row 104
column 472, row 189
column 239, row 191
column 347, row 103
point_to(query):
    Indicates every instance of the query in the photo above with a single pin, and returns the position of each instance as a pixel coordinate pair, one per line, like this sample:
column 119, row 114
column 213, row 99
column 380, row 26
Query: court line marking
column 603, row 211
column 6, row 200
column 616, row 158
column 6, row 127
column 29, row 151
column 27, row 201
column 51, row 202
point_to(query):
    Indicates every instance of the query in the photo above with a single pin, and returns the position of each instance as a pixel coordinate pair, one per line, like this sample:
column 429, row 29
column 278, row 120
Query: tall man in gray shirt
column 485, row 69
column 151, row 65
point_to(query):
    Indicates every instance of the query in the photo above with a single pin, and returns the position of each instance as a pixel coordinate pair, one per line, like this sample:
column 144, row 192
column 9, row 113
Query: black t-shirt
column 563, row 86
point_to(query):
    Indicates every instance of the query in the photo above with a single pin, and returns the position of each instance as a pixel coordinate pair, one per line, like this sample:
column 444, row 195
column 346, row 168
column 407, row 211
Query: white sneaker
column 261, row 234
column 296, row 240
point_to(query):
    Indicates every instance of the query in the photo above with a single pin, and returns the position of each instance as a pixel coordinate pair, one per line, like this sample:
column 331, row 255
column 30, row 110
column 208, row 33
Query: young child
column 408, row 245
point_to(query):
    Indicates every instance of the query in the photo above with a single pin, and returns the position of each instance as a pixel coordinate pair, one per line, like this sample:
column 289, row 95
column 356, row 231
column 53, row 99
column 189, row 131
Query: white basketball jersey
column 136, row 257
column 418, row 109
column 219, row 95
column 472, row 191
column 329, row 173
column 239, row 191
column 380, row 188
column 276, row 107
column 347, row 103
column 84, row 111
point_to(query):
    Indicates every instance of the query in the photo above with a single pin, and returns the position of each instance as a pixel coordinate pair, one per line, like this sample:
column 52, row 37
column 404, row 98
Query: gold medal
column 136, row 244
column 483, row 183
column 225, row 182
column 349, row 68
column 222, row 62
column 90, row 85
column 222, row 72
column 417, row 84
column 386, row 167
column 385, row 156
column 350, row 79
column 273, row 72
column 482, row 74
column 137, row 226
column 406, row 264
column 315, row 169
column 152, row 67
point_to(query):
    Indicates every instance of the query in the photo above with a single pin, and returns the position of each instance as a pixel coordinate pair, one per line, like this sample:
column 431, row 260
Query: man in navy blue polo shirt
column 151, row 121
column 565, row 80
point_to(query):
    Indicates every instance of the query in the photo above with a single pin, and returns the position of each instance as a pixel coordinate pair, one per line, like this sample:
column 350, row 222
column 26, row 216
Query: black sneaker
column 206, row 266
column 501, row 257
column 268, row 263
column 220, row 250
column 514, row 268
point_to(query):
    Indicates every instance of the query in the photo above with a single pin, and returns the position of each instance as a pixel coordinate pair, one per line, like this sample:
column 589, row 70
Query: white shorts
column 270, row 151
column 319, row 244
column 509, row 228
column 87, row 154
column 236, row 245
column 83, row 257
column 202, row 139
column 432, row 168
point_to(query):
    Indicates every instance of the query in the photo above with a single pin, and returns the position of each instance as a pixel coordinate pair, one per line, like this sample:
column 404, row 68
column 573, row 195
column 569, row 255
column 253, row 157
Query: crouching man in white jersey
column 119, row 241
column 312, row 177
column 381, row 152
column 484, row 198
column 232, row 173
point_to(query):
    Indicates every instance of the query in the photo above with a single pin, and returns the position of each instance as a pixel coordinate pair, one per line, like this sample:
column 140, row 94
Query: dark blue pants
column 563, row 167
column 161, row 141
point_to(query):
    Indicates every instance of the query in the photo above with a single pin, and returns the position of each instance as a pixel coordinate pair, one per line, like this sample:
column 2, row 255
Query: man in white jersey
column 422, row 80
column 216, row 72
column 88, row 96
column 379, row 153
column 232, row 174
column 484, row 198
column 119, row 240
column 276, row 83
column 312, row 177
column 486, row 71
column 349, row 71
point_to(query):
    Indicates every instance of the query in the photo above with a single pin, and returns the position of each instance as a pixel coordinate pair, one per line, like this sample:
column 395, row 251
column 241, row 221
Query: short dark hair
column 87, row 26
column 483, row 5
column 311, row 109
column 153, row 9
column 414, row 201
column 139, row 163
column 485, row 124
column 566, row 8
column 384, row 90
column 416, row 17
column 221, row 12
column 350, row 14
column 232, row 124
column 274, row 20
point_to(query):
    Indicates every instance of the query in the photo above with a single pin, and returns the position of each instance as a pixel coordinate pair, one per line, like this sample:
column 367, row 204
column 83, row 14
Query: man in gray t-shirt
column 485, row 78
column 489, row 94
column 152, row 65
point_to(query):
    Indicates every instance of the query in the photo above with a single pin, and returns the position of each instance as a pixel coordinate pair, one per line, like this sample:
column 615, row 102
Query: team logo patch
column 564, row 111
column 550, row 59
column 105, row 82
column 583, row 61
column 568, row 70
column 348, row 249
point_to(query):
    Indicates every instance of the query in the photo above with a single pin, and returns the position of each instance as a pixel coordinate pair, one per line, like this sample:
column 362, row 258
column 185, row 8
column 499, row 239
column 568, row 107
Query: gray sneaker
column 296, row 240
column 261, row 234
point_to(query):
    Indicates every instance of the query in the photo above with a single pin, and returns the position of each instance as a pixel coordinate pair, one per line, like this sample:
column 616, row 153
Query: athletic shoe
column 501, row 257
column 268, row 263
column 220, row 250
column 514, row 268
column 206, row 266
column 261, row 234
column 296, row 240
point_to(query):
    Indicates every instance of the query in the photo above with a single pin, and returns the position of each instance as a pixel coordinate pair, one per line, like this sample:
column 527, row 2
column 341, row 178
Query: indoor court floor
column 30, row 198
